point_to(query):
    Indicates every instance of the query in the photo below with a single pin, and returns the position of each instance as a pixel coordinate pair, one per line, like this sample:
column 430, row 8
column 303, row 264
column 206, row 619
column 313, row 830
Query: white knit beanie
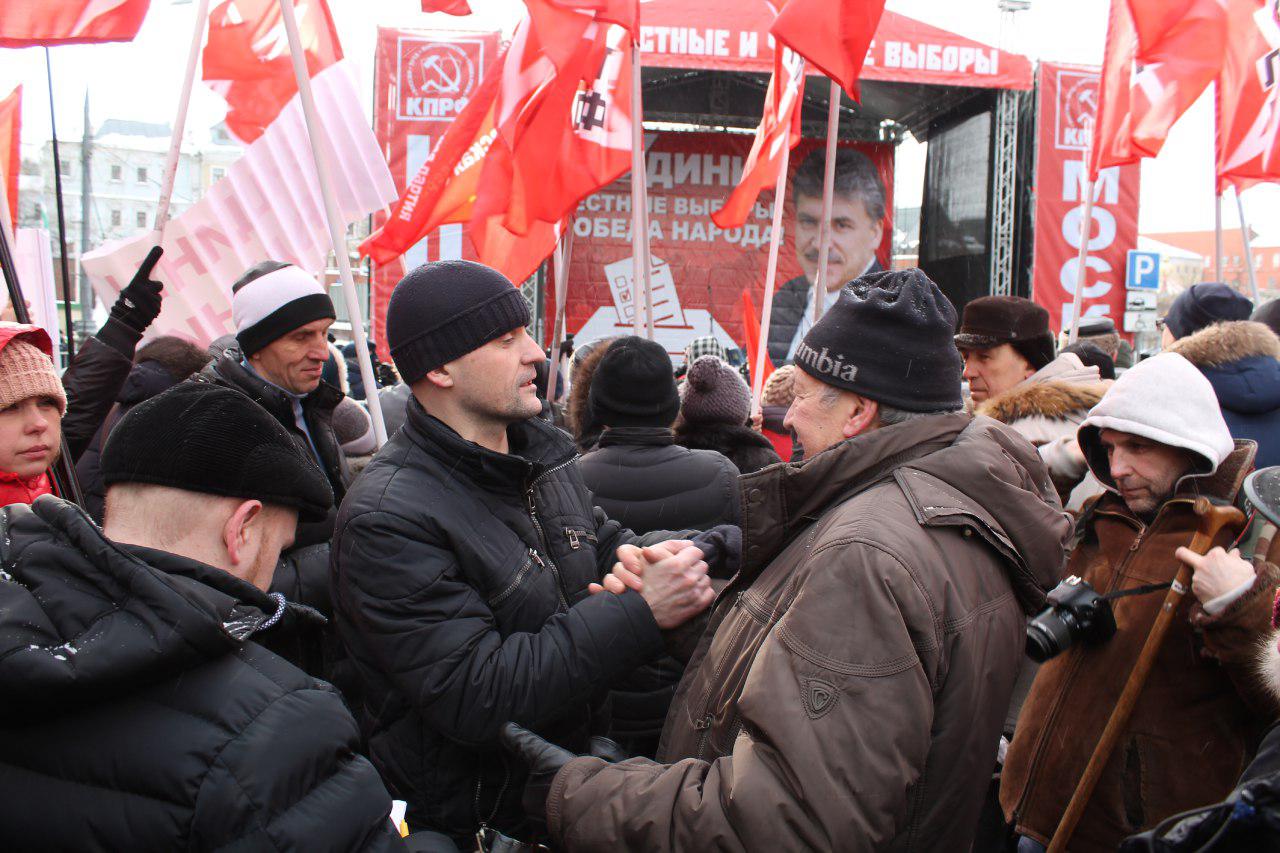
column 271, row 300
column 1165, row 399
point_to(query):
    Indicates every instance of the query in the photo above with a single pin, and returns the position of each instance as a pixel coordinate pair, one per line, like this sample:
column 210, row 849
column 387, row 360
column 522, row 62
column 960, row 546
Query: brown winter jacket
column 1201, row 713
column 849, row 691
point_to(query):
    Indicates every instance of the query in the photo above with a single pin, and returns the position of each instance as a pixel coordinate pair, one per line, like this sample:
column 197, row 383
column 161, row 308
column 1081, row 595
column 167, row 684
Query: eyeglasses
column 1160, row 321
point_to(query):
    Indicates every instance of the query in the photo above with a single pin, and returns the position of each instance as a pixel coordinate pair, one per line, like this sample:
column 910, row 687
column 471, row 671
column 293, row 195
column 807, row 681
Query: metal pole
column 564, row 252
column 63, row 470
column 180, row 122
column 1248, row 250
column 337, row 232
column 640, row 265
column 770, row 278
column 828, row 191
column 62, row 223
column 85, row 291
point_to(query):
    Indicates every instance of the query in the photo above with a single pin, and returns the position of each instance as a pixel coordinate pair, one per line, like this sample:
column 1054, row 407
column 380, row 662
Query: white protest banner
column 267, row 207
column 33, row 260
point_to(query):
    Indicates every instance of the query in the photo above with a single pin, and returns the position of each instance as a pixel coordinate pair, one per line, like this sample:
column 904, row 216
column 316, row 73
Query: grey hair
column 856, row 178
column 890, row 415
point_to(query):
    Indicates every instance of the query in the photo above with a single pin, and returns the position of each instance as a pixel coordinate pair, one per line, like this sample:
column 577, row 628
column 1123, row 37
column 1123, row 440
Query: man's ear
column 864, row 415
column 238, row 528
column 440, row 377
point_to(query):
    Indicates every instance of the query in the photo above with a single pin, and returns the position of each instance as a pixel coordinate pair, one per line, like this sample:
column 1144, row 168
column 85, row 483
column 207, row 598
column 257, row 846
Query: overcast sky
column 141, row 80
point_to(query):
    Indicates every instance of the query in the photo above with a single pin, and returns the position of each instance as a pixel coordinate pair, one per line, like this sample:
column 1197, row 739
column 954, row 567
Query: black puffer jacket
column 789, row 303
column 747, row 449
column 92, row 381
column 138, row 715
column 317, row 410
column 644, row 481
column 460, row 589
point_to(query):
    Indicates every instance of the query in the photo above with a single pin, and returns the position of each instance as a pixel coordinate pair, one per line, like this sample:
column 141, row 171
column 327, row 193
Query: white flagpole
column 1086, row 232
column 564, row 253
column 770, row 278
column 1217, row 236
column 828, row 191
column 640, row 281
column 337, row 229
column 1248, row 249
column 180, row 122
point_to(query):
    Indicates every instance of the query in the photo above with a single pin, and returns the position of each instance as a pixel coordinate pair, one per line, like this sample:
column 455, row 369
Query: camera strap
column 1137, row 590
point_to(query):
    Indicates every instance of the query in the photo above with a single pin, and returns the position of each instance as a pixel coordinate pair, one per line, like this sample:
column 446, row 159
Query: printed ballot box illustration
column 673, row 326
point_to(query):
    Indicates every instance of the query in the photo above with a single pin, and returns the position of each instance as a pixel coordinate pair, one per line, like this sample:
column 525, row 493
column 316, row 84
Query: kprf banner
column 699, row 271
column 422, row 80
column 1068, row 101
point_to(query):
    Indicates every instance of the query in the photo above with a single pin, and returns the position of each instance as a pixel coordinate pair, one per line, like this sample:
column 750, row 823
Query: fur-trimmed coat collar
column 1058, row 401
column 1226, row 343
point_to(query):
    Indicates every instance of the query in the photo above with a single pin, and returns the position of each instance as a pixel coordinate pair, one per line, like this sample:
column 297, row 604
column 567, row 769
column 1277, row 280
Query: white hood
column 1165, row 399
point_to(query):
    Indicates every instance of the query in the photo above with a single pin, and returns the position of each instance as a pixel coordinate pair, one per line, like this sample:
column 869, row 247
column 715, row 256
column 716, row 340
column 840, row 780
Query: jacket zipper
column 708, row 717
column 575, row 537
column 1070, row 680
column 542, row 536
column 515, row 584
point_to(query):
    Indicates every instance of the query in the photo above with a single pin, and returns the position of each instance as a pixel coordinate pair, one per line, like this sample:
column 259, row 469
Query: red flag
column 246, row 59
column 1248, row 96
column 25, row 23
column 449, row 7
column 10, row 156
column 751, row 330
column 549, row 124
column 779, row 131
column 834, row 40
column 1159, row 57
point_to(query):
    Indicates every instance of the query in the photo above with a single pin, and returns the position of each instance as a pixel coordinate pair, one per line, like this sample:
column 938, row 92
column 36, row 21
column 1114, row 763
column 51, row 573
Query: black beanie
column 1203, row 304
column 634, row 385
column 1268, row 313
column 444, row 310
column 201, row 437
column 889, row 338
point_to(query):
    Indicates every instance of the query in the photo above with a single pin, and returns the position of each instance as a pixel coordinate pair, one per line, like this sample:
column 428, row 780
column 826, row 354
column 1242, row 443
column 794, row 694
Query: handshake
column 671, row 577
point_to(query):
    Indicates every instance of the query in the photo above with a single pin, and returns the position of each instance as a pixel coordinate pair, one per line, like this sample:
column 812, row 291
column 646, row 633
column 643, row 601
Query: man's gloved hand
column 606, row 748
column 544, row 760
column 135, row 309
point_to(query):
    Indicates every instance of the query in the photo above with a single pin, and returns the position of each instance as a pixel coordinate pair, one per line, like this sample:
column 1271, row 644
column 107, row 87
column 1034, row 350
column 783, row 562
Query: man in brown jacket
column 849, row 691
column 1155, row 441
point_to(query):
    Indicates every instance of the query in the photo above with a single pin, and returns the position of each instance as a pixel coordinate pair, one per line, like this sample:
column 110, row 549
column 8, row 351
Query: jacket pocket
column 579, row 539
column 518, row 579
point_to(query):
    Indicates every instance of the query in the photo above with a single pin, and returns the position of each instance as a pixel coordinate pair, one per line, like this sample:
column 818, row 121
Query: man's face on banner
column 854, row 238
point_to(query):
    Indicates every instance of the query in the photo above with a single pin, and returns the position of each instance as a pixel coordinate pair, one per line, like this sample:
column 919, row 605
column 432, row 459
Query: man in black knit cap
column 142, row 709
column 854, row 677
column 1004, row 341
column 465, row 560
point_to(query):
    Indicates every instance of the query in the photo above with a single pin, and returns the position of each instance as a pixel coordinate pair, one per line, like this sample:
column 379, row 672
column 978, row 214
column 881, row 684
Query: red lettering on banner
column 1067, row 98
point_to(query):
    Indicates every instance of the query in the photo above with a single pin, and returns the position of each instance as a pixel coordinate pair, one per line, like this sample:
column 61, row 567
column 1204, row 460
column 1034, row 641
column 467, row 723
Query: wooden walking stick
column 1213, row 519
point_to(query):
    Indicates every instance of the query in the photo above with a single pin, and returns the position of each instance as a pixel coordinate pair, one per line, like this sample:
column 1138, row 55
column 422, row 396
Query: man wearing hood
column 1156, row 441
column 140, row 711
column 849, row 690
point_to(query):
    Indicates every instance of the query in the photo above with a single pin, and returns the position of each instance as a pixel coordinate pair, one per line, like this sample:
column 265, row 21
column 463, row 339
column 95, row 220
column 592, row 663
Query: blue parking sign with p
column 1143, row 271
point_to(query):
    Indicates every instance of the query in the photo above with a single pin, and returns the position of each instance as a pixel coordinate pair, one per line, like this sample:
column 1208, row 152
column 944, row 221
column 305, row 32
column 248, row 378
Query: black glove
column 610, row 750
column 544, row 760
column 135, row 309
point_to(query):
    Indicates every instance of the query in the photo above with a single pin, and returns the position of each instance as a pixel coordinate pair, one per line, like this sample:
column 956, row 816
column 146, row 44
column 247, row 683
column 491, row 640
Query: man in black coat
column 857, row 225
column 465, row 559
column 282, row 318
column 140, row 710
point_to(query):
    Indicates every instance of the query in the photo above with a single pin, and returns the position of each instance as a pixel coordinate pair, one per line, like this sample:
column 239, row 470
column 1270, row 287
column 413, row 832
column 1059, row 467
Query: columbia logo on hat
column 821, row 362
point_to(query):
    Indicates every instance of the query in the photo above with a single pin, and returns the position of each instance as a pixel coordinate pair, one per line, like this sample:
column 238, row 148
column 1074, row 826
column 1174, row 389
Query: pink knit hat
column 26, row 366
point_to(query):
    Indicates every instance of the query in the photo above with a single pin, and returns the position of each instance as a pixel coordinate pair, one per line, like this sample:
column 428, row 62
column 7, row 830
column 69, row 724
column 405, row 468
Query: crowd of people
column 633, row 613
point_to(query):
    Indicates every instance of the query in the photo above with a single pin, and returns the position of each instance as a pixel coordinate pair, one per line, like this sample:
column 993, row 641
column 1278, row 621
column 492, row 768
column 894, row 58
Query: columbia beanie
column 201, row 437
column 889, row 338
column 714, row 393
column 1204, row 304
column 444, row 310
column 271, row 300
column 634, row 385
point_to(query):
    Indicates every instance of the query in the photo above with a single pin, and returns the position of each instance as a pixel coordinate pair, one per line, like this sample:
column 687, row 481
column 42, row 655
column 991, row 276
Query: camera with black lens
column 1076, row 613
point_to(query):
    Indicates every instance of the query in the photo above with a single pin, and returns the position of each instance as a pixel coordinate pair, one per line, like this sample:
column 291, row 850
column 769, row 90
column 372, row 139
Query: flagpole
column 828, row 192
column 640, row 264
column 1217, row 237
column 1248, row 249
column 62, row 224
column 563, row 256
column 770, row 278
column 337, row 231
column 1086, row 232
column 180, row 123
